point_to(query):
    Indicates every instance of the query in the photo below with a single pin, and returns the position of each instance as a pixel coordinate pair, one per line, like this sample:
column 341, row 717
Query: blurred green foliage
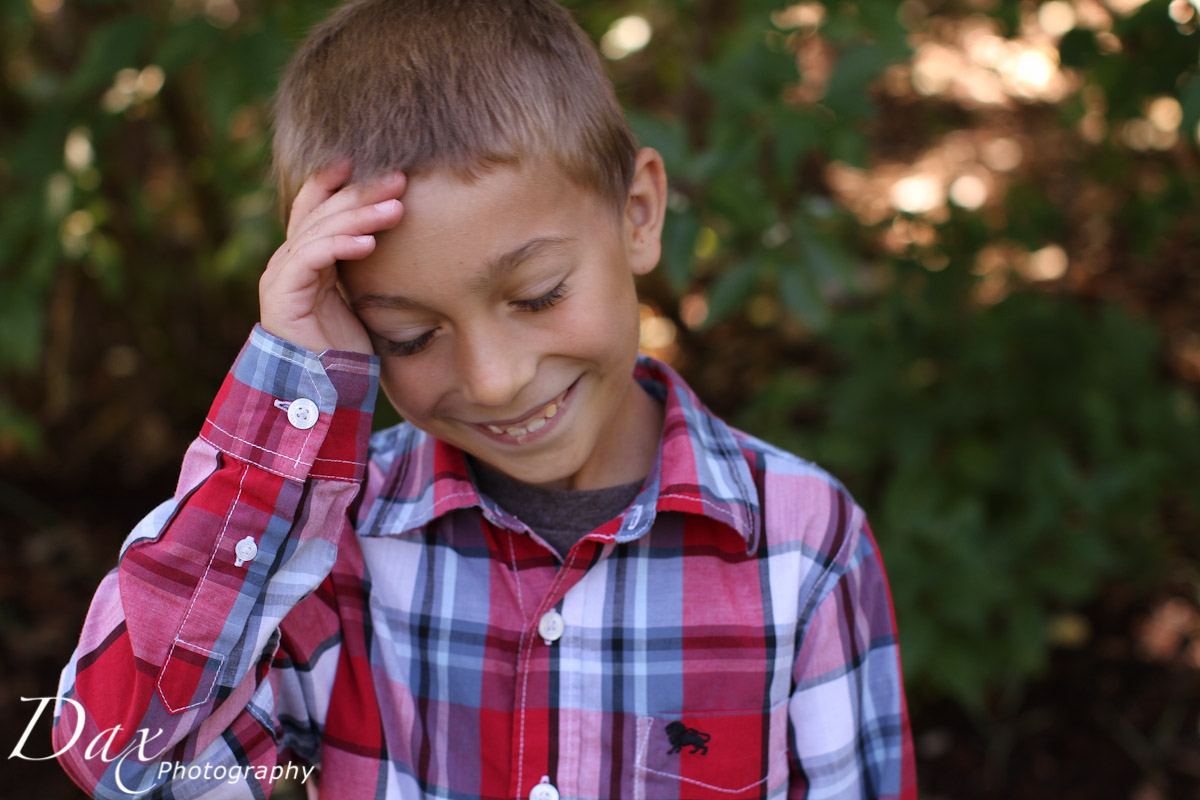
column 1018, row 440
column 1018, row 459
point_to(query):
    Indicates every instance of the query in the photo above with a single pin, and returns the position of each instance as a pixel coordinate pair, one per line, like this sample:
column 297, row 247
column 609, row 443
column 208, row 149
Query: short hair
column 413, row 85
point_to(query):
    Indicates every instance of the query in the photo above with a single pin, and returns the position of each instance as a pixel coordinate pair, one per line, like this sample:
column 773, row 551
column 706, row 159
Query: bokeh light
column 626, row 35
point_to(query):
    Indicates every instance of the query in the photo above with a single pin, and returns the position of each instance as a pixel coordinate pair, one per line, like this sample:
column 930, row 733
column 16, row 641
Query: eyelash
column 408, row 348
column 533, row 306
column 545, row 301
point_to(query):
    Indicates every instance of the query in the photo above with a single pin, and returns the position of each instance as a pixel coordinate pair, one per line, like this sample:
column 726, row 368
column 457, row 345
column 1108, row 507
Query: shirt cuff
column 295, row 413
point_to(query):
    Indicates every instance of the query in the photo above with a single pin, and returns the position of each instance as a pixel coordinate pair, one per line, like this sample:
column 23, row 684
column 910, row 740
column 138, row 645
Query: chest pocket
column 729, row 755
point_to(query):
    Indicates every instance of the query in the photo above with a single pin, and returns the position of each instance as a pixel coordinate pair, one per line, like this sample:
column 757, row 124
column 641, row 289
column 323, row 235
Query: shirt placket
column 541, row 769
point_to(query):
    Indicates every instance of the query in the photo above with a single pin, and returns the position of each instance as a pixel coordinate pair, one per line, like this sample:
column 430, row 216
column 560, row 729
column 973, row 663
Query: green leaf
column 796, row 134
column 115, row 46
column 16, row 11
column 665, row 136
column 825, row 258
column 847, row 144
column 222, row 94
column 22, row 316
column 679, row 247
column 260, row 55
column 1189, row 98
column 39, row 151
column 190, row 41
column 847, row 93
column 731, row 290
column 801, row 297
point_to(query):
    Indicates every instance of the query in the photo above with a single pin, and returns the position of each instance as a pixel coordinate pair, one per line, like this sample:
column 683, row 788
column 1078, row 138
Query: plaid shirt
column 730, row 635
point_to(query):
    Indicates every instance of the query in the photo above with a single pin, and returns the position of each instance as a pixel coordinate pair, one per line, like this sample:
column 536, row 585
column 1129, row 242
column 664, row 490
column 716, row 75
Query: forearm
column 176, row 647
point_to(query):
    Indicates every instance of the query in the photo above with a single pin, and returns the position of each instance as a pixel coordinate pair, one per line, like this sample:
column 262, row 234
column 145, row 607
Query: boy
column 562, row 577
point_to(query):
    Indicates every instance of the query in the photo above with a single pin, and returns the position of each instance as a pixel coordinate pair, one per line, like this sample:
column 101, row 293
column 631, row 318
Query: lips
column 531, row 423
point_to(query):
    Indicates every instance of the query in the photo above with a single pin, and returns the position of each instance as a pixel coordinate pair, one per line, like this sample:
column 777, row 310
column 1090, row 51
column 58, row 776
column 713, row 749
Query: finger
column 354, row 221
column 316, row 250
column 362, row 193
column 328, row 251
column 318, row 188
column 306, row 263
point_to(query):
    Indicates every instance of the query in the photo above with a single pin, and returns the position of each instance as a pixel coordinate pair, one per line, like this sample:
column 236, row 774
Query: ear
column 645, row 210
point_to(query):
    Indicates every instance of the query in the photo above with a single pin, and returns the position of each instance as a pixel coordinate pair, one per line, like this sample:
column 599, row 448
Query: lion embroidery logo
column 682, row 736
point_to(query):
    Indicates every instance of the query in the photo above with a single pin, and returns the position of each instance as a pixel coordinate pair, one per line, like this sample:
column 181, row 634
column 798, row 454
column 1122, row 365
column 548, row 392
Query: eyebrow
column 493, row 272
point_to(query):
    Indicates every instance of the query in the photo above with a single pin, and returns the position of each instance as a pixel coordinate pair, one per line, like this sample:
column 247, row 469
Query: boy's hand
column 298, row 295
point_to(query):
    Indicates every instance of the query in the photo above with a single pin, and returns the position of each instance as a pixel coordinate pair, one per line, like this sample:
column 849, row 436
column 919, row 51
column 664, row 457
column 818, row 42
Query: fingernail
column 364, row 239
column 387, row 205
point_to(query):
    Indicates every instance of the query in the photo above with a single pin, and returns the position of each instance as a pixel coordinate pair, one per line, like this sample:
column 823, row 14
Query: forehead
column 453, row 228
column 460, row 239
column 443, row 204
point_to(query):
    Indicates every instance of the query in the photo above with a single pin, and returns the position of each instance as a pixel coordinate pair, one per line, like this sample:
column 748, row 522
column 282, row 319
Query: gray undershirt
column 560, row 516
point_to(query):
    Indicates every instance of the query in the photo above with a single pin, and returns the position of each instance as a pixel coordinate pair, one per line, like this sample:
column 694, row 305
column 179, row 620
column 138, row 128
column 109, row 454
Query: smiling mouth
column 534, row 422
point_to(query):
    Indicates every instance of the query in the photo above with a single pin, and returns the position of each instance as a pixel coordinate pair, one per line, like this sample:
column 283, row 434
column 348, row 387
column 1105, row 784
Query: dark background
column 948, row 250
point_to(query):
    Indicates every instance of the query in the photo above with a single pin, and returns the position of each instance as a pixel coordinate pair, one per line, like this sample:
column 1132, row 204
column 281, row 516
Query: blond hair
column 414, row 85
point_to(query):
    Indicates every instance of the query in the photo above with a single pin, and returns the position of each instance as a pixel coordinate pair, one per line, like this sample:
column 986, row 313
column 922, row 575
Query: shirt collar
column 699, row 469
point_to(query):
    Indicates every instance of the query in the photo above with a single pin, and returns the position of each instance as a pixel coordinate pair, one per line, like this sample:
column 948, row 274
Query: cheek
column 606, row 323
column 412, row 391
column 599, row 333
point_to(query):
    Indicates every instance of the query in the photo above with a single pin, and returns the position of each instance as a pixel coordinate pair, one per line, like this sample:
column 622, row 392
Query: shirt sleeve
column 174, row 664
column 850, row 737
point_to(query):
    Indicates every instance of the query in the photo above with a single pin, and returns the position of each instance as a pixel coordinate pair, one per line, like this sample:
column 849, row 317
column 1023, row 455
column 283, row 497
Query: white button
column 551, row 626
column 303, row 413
column 544, row 790
column 245, row 551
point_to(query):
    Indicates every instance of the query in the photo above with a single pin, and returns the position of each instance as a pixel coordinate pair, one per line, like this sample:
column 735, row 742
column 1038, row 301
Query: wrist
column 300, row 336
column 296, row 413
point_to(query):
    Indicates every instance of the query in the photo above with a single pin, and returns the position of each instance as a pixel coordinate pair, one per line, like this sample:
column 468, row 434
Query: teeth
column 536, row 424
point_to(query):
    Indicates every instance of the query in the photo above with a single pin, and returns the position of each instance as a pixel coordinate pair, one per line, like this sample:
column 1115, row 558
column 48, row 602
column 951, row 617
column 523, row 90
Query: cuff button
column 302, row 413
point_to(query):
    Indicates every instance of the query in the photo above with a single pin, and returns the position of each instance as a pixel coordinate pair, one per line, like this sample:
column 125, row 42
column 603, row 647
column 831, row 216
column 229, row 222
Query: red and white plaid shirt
column 729, row 635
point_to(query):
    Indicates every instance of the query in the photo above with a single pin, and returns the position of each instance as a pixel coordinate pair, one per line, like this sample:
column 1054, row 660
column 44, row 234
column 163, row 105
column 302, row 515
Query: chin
column 535, row 470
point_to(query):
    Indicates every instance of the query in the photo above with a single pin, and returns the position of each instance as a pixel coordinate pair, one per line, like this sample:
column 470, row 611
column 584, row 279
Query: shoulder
column 802, row 504
column 764, row 457
column 772, row 496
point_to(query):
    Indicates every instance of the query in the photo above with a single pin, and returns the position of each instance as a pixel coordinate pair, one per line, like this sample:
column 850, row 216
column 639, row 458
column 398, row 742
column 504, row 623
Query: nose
column 493, row 369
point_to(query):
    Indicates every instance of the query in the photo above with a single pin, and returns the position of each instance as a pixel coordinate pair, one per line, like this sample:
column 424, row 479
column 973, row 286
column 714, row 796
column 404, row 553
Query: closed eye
column 534, row 305
column 545, row 301
column 410, row 347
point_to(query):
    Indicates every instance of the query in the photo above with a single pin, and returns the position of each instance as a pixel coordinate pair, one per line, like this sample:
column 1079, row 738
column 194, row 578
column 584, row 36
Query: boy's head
column 464, row 85
column 502, row 304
